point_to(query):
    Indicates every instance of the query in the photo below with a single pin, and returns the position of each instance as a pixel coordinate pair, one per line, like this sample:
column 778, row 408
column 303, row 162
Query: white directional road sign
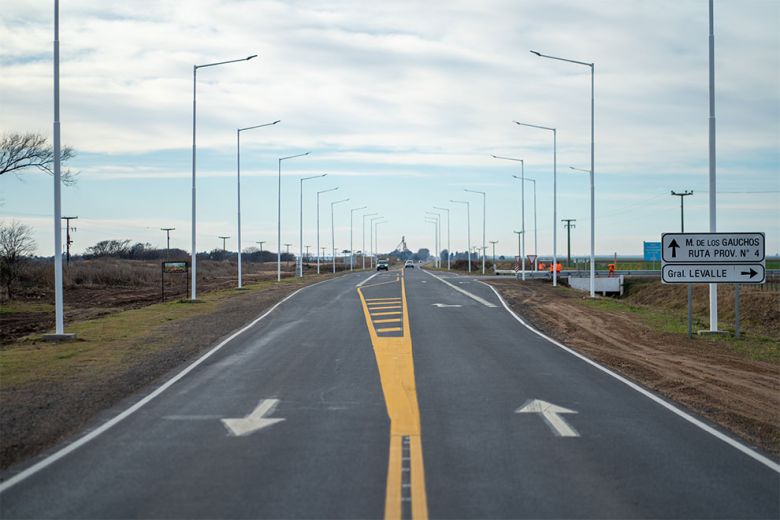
column 712, row 248
column 714, row 273
column 713, row 258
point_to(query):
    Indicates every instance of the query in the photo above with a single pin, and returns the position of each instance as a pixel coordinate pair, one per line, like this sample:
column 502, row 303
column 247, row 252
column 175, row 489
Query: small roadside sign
column 652, row 251
column 712, row 247
column 713, row 273
column 531, row 259
column 175, row 267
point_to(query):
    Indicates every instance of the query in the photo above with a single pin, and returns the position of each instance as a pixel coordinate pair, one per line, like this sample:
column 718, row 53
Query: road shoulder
column 727, row 388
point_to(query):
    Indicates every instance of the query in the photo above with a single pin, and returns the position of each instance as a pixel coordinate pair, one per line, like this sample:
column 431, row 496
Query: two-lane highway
column 399, row 395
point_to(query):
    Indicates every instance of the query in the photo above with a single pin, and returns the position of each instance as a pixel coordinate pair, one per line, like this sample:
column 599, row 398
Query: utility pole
column 68, row 241
column 224, row 247
column 568, row 225
column 682, row 196
column 494, row 242
column 307, row 252
column 261, row 242
column 167, row 240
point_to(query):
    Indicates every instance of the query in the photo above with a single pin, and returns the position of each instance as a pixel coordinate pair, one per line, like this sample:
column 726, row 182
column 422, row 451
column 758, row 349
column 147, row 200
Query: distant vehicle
column 408, row 264
column 382, row 265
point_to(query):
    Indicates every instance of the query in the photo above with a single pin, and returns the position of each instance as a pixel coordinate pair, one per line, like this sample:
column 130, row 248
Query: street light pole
column 333, row 231
column 238, row 187
column 522, row 205
column 279, row 216
column 494, row 242
column 363, row 249
column 468, row 225
column 449, row 251
column 536, row 243
column 484, row 205
column 287, row 252
column 371, row 238
column 712, row 177
column 300, row 260
column 437, row 216
column 351, row 252
column 318, row 224
column 376, row 236
column 555, row 196
column 435, row 238
column 195, row 68
column 592, row 166
column 58, row 299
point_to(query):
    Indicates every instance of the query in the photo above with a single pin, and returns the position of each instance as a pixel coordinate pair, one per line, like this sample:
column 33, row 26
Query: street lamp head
column 535, row 52
column 250, row 57
column 277, row 121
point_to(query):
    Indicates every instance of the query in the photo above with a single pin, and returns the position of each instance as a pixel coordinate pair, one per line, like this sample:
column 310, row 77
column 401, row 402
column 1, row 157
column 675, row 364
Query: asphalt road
column 406, row 397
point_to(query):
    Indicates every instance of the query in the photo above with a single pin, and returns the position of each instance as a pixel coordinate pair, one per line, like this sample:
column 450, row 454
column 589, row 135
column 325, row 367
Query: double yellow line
column 405, row 492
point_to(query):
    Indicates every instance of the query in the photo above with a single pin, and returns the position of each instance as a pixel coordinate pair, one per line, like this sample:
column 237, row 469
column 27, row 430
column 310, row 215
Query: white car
column 408, row 264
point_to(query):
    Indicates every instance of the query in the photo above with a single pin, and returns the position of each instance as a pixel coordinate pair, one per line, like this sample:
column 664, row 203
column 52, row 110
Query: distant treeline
column 145, row 251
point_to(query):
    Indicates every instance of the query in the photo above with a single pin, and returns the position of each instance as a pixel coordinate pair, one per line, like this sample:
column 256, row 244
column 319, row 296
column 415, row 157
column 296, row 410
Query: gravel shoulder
column 732, row 383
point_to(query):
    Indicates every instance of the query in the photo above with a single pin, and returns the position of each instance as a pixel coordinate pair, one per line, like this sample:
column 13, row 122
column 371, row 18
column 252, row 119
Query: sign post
column 651, row 252
column 713, row 258
column 173, row 267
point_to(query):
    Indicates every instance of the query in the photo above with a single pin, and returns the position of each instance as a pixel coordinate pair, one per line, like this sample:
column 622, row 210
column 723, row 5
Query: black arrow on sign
column 674, row 245
column 752, row 273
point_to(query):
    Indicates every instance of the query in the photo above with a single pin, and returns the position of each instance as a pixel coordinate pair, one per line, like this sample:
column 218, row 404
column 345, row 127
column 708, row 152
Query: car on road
column 382, row 265
column 408, row 264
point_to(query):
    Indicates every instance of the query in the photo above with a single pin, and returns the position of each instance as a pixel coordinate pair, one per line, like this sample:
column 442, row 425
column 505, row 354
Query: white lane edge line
column 696, row 422
column 367, row 279
column 472, row 296
column 54, row 457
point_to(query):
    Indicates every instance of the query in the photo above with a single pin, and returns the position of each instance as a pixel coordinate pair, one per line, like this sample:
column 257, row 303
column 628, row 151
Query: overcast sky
column 401, row 104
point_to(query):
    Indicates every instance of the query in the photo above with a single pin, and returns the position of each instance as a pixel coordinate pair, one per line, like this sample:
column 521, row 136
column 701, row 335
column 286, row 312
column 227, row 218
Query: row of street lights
column 299, row 262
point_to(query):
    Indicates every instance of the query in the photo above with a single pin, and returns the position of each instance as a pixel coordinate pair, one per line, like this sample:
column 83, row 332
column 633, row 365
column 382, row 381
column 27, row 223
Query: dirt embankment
column 720, row 379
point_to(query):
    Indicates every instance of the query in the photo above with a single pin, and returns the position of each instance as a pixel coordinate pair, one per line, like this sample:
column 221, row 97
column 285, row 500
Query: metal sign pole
column 736, row 310
column 690, row 310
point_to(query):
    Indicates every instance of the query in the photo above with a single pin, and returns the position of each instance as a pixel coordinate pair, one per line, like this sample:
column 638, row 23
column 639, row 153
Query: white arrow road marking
column 254, row 421
column 440, row 305
column 550, row 415
column 462, row 291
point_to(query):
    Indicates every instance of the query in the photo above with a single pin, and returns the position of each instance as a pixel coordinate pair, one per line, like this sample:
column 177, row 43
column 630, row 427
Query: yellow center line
column 396, row 372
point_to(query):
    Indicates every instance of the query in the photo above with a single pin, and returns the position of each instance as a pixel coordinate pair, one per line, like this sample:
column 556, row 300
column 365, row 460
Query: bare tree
column 16, row 243
column 19, row 152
